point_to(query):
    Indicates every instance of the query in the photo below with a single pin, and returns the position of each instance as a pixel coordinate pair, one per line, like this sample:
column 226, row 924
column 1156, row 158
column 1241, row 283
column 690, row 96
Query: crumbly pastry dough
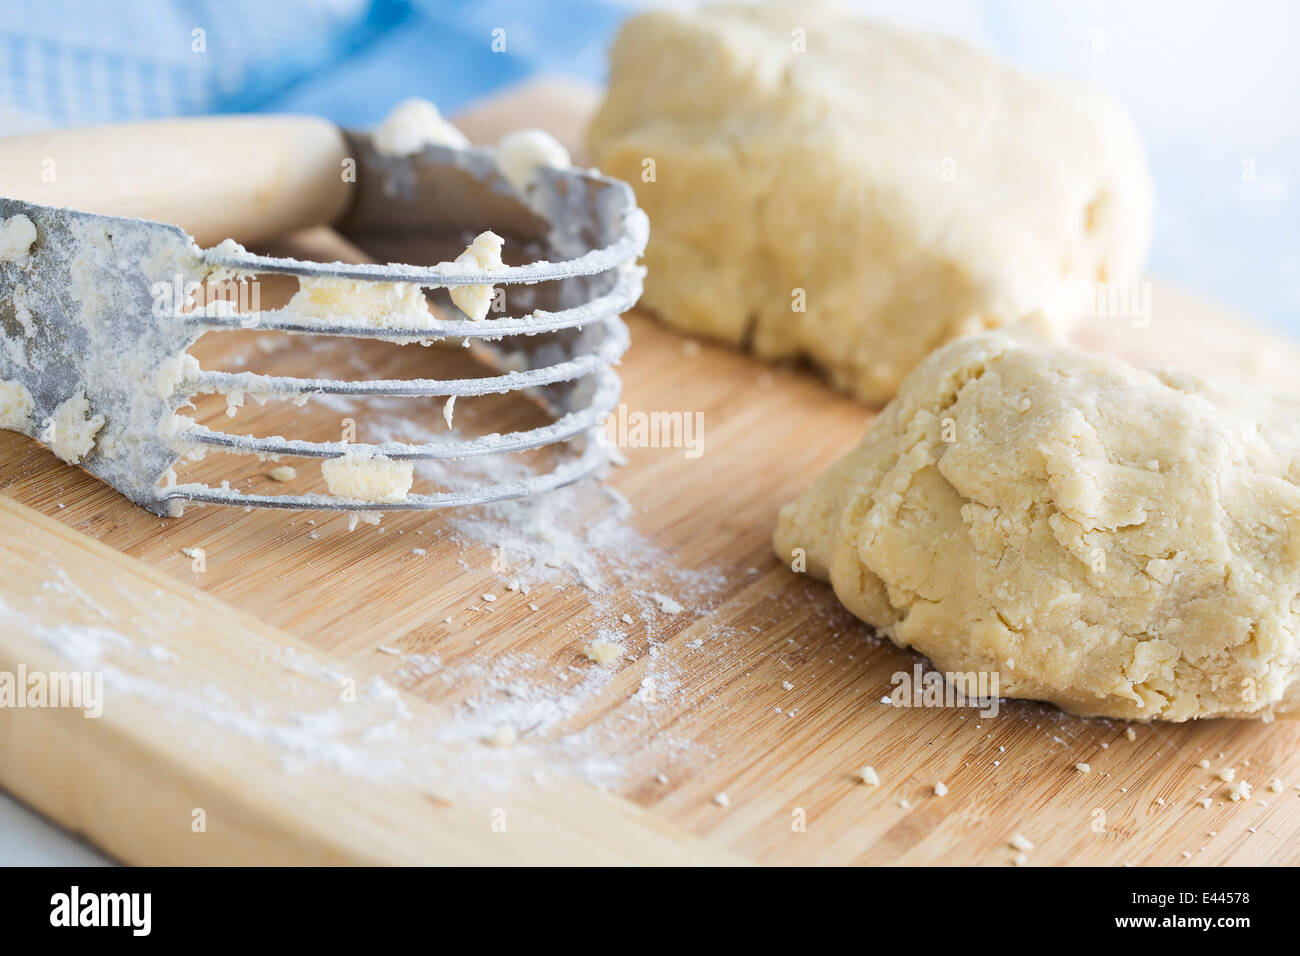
column 1120, row 542
column 912, row 187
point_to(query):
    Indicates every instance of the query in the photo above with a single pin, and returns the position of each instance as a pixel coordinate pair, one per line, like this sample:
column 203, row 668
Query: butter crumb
column 603, row 652
column 70, row 432
column 283, row 473
column 483, row 253
column 522, row 153
column 368, row 477
column 17, row 235
column 412, row 125
column 16, row 404
column 667, row 604
column 503, row 736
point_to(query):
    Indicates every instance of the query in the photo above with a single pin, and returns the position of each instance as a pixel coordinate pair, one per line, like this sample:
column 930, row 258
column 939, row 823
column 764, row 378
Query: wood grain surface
column 226, row 696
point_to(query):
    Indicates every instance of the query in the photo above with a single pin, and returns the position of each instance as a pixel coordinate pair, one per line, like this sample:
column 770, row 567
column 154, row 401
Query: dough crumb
column 1227, row 774
column 667, row 604
column 1021, row 859
column 1021, row 842
column 361, row 517
column 283, row 473
column 366, row 477
column 869, row 776
column 484, row 253
column 1130, row 733
column 722, row 800
column 940, row 789
column 16, row 404
column 522, row 153
column 449, row 410
column 1203, row 764
column 503, row 736
column 603, row 652
column 1276, row 785
column 1239, row 790
column 359, row 302
column 17, row 235
column 412, row 125
column 70, row 432
column 1083, row 768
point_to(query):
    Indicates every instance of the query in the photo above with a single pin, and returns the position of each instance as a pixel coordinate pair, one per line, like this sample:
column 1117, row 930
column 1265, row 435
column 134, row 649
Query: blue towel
column 78, row 62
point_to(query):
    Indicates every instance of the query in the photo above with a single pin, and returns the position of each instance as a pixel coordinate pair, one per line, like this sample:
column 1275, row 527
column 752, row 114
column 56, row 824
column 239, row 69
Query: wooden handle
column 244, row 177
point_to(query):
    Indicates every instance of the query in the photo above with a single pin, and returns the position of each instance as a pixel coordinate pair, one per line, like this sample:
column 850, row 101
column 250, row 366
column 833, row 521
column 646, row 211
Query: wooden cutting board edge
column 131, row 781
column 259, row 814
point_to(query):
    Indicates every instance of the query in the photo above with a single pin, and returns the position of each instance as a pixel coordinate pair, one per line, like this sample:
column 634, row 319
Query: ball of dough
column 1120, row 542
column 824, row 187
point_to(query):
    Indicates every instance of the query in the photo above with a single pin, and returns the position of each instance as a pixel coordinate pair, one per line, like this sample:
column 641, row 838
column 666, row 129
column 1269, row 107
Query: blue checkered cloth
column 78, row 62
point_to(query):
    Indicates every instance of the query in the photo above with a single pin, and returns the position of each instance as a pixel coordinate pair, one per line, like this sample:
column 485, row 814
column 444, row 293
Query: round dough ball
column 1119, row 542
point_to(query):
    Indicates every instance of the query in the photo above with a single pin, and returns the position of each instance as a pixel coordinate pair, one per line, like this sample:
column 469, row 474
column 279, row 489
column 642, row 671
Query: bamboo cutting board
column 298, row 694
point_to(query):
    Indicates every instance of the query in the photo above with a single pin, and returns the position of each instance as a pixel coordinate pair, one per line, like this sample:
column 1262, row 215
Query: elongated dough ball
column 826, row 187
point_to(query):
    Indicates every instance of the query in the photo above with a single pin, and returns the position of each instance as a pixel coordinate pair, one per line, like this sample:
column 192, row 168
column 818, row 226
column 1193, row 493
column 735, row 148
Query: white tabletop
column 27, row 839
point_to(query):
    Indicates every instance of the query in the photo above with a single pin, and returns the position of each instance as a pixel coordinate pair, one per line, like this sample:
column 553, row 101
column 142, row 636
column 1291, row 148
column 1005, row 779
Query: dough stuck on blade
column 857, row 194
column 1119, row 542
